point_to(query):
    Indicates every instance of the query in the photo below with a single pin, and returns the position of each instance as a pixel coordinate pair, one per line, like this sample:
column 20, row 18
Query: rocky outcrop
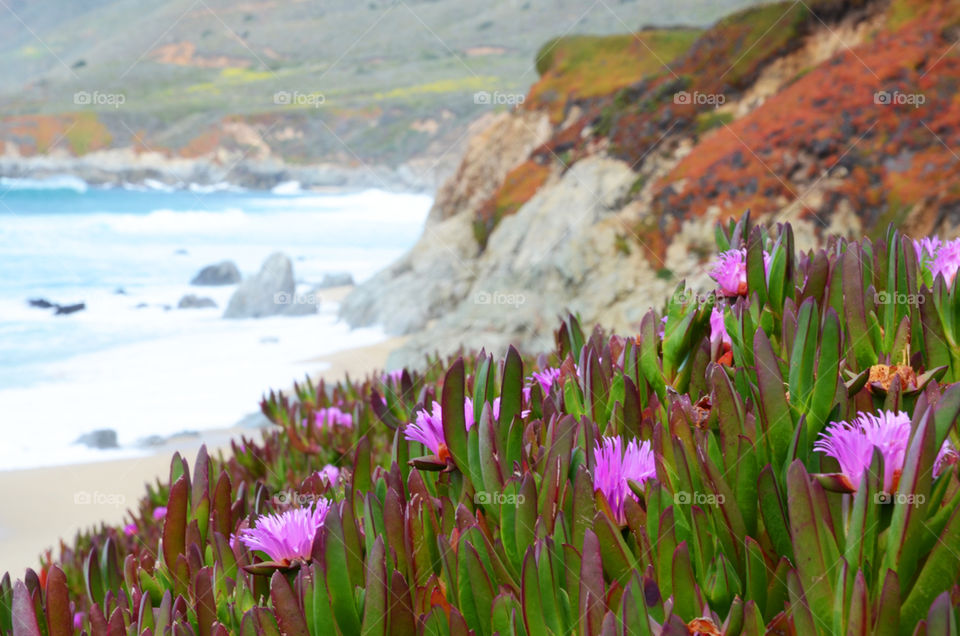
column 271, row 292
column 335, row 279
column 224, row 273
column 192, row 301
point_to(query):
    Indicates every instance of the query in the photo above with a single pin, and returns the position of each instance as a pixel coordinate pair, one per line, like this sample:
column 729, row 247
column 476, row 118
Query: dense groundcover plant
column 776, row 456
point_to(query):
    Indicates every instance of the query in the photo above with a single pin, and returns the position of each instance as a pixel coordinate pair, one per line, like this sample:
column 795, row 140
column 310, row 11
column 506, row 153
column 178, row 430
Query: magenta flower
column 947, row 457
column 78, row 619
column 852, row 444
column 329, row 417
column 526, row 394
column 718, row 331
column 288, row 536
column 546, row 378
column 615, row 465
column 938, row 257
column 329, row 473
column 159, row 513
column 392, row 376
column 730, row 272
column 428, row 428
column 130, row 529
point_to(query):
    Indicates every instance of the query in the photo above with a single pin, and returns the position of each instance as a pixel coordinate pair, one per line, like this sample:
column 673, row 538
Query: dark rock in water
column 336, row 279
column 225, row 273
column 190, row 301
column 120, row 291
column 152, row 440
column 102, row 439
column 271, row 292
column 41, row 303
column 63, row 310
column 141, row 306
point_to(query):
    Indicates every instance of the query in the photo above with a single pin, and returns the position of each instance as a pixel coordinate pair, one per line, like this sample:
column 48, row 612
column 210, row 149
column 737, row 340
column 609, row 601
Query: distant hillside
column 342, row 81
column 602, row 191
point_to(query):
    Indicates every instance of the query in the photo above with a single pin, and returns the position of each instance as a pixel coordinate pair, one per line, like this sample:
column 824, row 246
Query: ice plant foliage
column 288, row 536
column 532, row 523
column 615, row 465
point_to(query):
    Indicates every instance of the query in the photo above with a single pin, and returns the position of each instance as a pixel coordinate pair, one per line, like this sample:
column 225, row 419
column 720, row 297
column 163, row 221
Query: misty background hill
column 338, row 81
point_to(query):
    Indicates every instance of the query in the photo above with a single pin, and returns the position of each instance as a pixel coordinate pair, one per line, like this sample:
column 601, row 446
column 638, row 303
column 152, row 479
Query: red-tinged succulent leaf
column 286, row 605
column 454, row 424
column 907, row 524
column 316, row 603
column 534, row 616
column 804, row 620
column 774, row 513
column 476, row 597
column 937, row 574
column 116, row 625
column 684, row 590
column 776, row 422
column 92, row 577
column 376, row 592
column 175, row 522
column 402, row 621
column 23, row 613
column 942, row 619
column 59, row 616
column 204, row 603
column 835, row 482
column 592, row 587
column 338, row 583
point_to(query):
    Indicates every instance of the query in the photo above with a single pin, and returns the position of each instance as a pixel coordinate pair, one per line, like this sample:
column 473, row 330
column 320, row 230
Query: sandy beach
column 39, row 507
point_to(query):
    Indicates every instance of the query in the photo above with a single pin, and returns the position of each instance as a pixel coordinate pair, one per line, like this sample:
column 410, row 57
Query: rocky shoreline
column 124, row 167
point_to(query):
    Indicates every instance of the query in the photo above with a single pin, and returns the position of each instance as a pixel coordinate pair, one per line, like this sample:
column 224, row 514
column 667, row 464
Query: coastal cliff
column 601, row 192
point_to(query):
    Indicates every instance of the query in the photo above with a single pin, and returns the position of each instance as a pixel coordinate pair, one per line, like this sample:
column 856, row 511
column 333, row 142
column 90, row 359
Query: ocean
column 133, row 362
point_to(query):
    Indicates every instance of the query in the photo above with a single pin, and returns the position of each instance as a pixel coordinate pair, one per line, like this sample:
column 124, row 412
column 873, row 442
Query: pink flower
column 546, row 378
column 288, row 536
column 718, row 331
column 392, row 376
column 130, row 529
column 78, row 619
column 730, row 272
column 615, row 465
column 938, row 257
column 947, row 457
column 159, row 513
column 428, row 428
column 329, row 417
column 329, row 473
column 852, row 444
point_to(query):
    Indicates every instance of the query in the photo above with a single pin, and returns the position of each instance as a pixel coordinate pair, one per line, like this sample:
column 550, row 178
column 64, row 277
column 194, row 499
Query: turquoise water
column 68, row 243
